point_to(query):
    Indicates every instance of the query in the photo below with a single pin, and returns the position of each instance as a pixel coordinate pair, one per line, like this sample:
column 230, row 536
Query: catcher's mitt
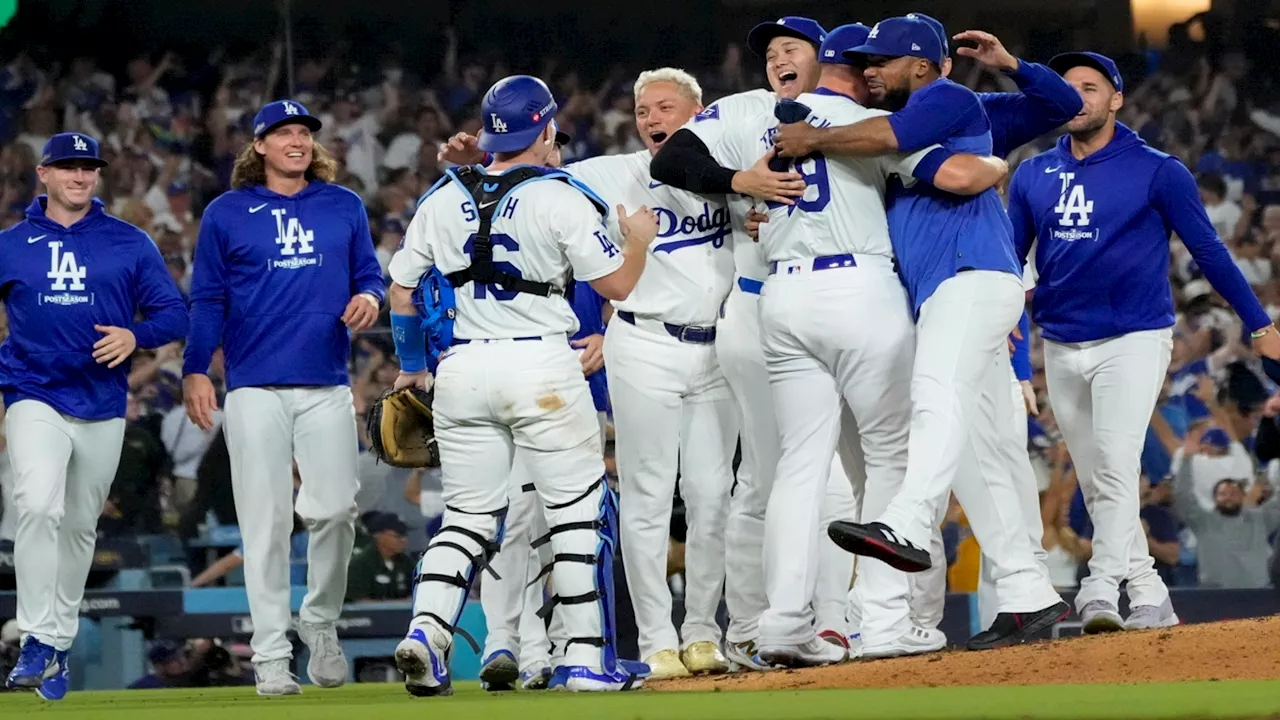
column 402, row 430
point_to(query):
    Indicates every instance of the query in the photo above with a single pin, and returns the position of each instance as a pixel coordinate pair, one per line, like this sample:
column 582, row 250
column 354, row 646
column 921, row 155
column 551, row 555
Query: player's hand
column 461, row 149
column 592, row 356
column 421, row 379
column 796, row 139
column 1268, row 345
column 990, row 50
column 1029, row 397
column 765, row 184
column 1191, row 445
column 200, row 400
column 360, row 314
column 1015, row 335
column 116, row 345
column 754, row 219
column 639, row 227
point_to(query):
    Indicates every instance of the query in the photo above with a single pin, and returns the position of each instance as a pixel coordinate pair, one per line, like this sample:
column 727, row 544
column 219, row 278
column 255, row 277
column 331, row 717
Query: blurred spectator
column 382, row 571
column 133, row 504
column 1223, row 213
column 168, row 667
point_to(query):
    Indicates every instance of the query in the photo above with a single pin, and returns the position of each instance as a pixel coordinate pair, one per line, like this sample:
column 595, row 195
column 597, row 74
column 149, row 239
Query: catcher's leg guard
column 583, row 535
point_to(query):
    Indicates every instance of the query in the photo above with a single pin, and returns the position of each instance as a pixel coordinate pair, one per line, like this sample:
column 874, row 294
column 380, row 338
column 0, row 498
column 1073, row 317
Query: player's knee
column 314, row 518
column 39, row 509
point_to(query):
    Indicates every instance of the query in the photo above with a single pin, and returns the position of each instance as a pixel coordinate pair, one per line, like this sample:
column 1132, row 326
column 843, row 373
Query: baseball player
column 693, row 159
column 284, row 271
column 958, row 254
column 1101, row 206
column 72, row 279
column 510, row 379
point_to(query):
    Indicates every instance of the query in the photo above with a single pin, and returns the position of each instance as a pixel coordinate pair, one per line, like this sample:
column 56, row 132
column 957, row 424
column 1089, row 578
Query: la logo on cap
column 782, row 21
column 290, row 109
column 79, row 144
column 874, row 31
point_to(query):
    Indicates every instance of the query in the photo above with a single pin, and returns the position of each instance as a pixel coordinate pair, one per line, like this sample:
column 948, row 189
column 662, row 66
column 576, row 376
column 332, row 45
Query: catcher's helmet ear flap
column 514, row 112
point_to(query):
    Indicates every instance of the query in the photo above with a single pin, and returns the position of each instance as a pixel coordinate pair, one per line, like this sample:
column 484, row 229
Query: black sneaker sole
column 1036, row 623
column 858, row 540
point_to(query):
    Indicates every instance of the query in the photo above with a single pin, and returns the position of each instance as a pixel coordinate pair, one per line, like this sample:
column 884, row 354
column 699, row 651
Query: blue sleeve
column 933, row 115
column 1021, row 357
column 1046, row 103
column 1020, row 215
column 1164, row 527
column 1078, row 517
column 163, row 311
column 1175, row 196
column 209, row 297
column 366, row 272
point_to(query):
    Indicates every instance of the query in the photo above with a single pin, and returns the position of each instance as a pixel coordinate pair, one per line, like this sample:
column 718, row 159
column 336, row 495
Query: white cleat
column 1151, row 617
column 742, row 656
column 916, row 641
column 1100, row 616
column 327, row 667
column 811, row 653
column 422, row 658
column 273, row 678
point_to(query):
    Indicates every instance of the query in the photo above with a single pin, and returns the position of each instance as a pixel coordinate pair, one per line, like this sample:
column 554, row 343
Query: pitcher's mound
column 1235, row 650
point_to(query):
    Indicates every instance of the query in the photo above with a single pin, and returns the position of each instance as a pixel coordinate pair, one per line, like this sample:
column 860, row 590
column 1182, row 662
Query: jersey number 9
column 813, row 170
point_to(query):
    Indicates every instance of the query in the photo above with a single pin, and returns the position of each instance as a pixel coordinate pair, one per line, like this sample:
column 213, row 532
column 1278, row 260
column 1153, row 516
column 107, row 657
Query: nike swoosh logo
column 37, row 238
column 256, row 209
column 1052, row 170
column 488, row 204
column 654, row 185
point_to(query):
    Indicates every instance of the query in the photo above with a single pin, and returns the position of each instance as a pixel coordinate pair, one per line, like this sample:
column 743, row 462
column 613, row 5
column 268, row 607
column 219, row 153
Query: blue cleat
column 627, row 675
column 425, row 663
column 499, row 671
column 35, row 663
column 55, row 687
column 535, row 678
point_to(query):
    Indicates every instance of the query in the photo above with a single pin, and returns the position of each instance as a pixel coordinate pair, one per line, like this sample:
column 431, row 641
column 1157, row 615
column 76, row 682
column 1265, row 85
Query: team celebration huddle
column 830, row 275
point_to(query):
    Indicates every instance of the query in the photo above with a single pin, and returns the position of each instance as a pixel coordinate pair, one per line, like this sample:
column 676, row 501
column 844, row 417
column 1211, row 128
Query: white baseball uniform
column 741, row 358
column 512, row 380
column 836, row 327
column 670, row 401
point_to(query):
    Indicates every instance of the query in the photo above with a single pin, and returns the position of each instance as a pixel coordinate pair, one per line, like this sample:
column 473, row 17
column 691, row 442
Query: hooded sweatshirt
column 57, row 283
column 1103, row 225
column 273, row 275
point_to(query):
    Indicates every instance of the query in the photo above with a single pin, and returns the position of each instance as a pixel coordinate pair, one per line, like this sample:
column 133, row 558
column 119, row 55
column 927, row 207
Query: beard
column 1231, row 510
column 892, row 100
column 1087, row 125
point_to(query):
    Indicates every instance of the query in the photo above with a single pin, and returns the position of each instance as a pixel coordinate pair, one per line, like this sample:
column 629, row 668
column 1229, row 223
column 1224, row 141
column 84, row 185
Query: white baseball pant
column 62, row 472
column 741, row 358
column 267, row 429
column 491, row 398
column 8, row 516
column 962, row 355
column 840, row 335
column 670, row 404
column 1103, row 394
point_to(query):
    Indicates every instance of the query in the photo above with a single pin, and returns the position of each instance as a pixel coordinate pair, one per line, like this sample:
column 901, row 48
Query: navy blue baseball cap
column 66, row 147
column 902, row 37
column 841, row 39
column 1103, row 64
column 789, row 26
column 1216, row 437
column 938, row 28
column 514, row 111
column 283, row 112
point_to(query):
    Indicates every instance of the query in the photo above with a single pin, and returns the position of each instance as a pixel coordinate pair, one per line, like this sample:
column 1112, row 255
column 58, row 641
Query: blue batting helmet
column 515, row 110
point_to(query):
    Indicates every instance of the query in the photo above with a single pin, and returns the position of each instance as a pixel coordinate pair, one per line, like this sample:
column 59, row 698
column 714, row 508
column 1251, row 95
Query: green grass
column 389, row 702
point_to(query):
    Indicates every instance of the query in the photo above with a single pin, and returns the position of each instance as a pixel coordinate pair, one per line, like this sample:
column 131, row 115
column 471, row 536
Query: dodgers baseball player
column 72, row 279
column 284, row 271
column 968, row 295
column 509, row 379
column 1101, row 206
column 693, row 159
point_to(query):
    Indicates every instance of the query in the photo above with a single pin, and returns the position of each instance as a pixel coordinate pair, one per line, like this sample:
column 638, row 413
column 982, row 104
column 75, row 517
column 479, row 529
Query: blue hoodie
column 56, row 284
column 272, row 276
column 1103, row 225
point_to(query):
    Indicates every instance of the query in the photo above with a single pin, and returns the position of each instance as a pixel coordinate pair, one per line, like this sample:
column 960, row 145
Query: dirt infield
column 1236, row 650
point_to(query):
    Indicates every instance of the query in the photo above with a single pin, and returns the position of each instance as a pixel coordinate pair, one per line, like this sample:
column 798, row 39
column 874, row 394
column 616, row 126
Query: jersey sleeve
column 934, row 114
column 415, row 256
column 714, row 125
column 902, row 164
column 585, row 239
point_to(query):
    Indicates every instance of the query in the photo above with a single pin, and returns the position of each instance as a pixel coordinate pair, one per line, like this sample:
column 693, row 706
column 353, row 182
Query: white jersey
column 543, row 229
column 711, row 126
column 842, row 210
column 689, row 269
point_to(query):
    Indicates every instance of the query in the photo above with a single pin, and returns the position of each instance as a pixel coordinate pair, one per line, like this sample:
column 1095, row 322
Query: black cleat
column 879, row 541
column 1015, row 628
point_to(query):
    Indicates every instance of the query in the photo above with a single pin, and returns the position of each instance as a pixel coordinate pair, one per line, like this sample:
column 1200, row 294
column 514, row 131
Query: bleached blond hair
column 687, row 83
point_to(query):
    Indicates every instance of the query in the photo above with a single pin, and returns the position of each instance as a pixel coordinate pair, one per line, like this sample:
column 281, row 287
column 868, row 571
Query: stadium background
column 1201, row 86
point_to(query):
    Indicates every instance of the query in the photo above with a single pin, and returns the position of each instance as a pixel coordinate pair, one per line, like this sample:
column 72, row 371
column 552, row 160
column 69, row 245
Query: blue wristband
column 928, row 166
column 411, row 342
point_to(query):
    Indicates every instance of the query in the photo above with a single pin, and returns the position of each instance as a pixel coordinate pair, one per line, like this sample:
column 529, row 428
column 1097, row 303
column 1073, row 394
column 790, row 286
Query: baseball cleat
column 579, row 678
column 664, row 665
column 499, row 672
column 535, row 678
column 35, row 664
column 273, row 679
column 811, row 653
column 916, row 641
column 1151, row 617
column 422, row 658
column 55, row 687
column 1014, row 628
column 1100, row 616
column 742, row 656
column 834, row 638
column 879, row 541
column 327, row 667
column 704, row 658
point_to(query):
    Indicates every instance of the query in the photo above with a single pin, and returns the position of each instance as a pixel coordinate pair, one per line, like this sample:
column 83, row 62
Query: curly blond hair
column 251, row 168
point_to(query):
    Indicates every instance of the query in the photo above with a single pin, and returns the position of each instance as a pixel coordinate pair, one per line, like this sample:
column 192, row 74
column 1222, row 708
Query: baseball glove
column 402, row 430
